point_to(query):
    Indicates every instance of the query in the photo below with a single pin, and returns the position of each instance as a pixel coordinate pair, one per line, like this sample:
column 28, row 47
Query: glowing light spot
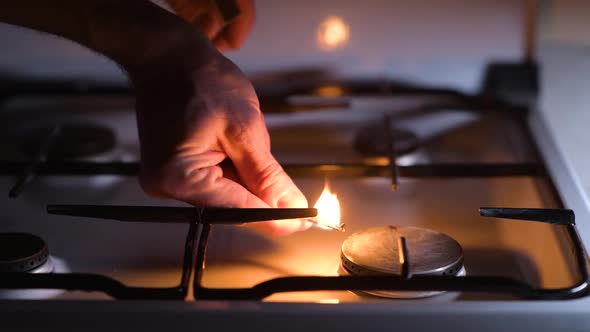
column 333, row 33
column 328, row 301
column 329, row 91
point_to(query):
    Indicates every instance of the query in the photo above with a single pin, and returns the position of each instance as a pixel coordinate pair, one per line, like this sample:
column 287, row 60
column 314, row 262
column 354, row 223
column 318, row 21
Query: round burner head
column 22, row 252
column 374, row 251
column 373, row 141
column 72, row 141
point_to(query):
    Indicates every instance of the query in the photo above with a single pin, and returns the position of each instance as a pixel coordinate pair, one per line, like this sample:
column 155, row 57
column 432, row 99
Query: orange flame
column 328, row 208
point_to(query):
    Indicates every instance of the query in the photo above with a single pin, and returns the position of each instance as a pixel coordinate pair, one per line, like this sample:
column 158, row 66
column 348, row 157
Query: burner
column 374, row 251
column 71, row 141
column 372, row 141
column 22, row 252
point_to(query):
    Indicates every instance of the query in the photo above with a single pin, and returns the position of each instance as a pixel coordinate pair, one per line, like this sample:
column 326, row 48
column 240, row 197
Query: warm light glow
column 333, row 32
column 328, row 301
column 329, row 91
column 328, row 208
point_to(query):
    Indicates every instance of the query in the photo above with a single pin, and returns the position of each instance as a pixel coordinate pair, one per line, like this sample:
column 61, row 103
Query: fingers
column 247, row 143
column 201, row 14
column 210, row 24
column 189, row 179
column 279, row 227
column 264, row 177
column 207, row 18
column 198, row 180
column 234, row 34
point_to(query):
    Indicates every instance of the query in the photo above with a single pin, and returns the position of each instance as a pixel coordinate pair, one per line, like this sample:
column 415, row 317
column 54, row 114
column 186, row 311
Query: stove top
column 411, row 170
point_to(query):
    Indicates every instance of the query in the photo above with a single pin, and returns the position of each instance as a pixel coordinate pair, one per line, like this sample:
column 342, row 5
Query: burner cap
column 72, row 141
column 21, row 252
column 372, row 141
column 374, row 251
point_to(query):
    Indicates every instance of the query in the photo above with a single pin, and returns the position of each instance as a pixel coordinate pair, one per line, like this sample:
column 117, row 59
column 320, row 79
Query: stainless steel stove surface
column 464, row 159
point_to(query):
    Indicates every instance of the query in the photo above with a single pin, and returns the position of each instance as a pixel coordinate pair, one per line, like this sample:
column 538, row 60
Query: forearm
column 130, row 32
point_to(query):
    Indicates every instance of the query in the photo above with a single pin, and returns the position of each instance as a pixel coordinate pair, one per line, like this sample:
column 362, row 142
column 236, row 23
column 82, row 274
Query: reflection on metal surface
column 328, row 301
column 333, row 33
column 329, row 91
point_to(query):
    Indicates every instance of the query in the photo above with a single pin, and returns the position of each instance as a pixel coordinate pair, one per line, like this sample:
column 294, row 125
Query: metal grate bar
column 302, row 170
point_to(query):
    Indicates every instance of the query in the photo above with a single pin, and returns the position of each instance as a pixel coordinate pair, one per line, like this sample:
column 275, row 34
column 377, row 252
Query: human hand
column 205, row 15
column 195, row 108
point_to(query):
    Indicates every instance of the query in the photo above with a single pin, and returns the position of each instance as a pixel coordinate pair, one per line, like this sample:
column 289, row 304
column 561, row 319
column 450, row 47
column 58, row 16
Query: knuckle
column 178, row 180
column 203, row 179
column 244, row 124
column 268, row 177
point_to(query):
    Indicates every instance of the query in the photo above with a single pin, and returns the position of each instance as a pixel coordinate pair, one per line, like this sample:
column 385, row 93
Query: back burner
column 69, row 141
column 374, row 141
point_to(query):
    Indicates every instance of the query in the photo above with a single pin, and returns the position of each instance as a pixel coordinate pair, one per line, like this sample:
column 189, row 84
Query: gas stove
column 455, row 200
column 445, row 198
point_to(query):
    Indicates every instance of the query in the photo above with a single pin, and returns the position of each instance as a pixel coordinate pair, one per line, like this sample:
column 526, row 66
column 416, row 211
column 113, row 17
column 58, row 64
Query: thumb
column 262, row 175
column 248, row 146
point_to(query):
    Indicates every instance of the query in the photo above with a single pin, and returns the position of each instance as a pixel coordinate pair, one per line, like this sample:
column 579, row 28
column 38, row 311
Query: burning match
column 340, row 227
column 328, row 207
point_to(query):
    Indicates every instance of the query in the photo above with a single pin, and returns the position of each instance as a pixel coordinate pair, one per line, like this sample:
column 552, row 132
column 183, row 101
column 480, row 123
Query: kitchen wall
column 445, row 42
column 565, row 22
column 438, row 42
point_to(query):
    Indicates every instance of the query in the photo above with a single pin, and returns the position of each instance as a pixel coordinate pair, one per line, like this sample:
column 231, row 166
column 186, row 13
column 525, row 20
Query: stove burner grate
column 423, row 283
column 373, row 141
column 195, row 249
